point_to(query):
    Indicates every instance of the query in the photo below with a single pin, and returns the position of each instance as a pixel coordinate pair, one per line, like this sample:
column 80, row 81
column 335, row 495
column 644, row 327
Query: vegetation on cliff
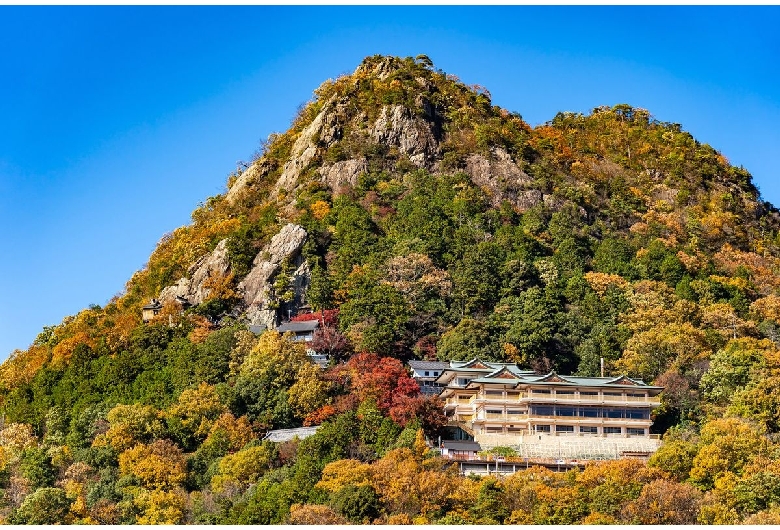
column 439, row 226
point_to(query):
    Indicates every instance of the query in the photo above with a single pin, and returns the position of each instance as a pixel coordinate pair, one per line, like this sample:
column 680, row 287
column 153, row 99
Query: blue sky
column 115, row 122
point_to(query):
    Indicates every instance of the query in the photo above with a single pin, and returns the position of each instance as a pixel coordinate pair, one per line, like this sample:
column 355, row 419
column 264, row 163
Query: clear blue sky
column 115, row 122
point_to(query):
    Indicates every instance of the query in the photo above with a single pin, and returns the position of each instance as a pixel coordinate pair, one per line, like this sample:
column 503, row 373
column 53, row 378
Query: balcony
column 519, row 417
column 585, row 399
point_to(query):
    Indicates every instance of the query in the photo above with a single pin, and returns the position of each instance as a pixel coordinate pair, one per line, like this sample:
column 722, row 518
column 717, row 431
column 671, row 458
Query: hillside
column 426, row 223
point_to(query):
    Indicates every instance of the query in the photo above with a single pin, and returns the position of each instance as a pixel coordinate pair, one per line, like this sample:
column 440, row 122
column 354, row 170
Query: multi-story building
column 489, row 398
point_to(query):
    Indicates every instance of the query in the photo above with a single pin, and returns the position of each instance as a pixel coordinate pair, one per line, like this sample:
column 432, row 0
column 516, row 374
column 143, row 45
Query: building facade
column 489, row 398
column 426, row 373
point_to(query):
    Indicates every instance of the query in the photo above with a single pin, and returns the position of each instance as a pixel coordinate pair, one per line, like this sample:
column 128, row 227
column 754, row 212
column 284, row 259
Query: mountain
column 426, row 223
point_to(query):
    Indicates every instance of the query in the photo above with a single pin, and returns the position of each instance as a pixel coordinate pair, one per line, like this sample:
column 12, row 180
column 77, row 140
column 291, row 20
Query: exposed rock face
column 343, row 173
column 323, row 130
column 287, row 244
column 502, row 179
column 398, row 127
column 193, row 287
column 248, row 178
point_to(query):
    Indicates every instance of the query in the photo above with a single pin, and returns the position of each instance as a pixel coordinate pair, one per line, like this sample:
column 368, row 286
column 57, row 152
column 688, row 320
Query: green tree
column 43, row 507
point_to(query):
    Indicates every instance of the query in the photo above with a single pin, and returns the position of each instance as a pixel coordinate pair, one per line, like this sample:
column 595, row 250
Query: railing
column 588, row 419
column 592, row 399
column 504, row 417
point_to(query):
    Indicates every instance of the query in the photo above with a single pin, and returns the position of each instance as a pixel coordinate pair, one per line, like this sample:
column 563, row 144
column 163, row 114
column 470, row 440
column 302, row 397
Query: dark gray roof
column 299, row 327
column 429, row 365
column 257, row 329
column 461, row 445
column 154, row 304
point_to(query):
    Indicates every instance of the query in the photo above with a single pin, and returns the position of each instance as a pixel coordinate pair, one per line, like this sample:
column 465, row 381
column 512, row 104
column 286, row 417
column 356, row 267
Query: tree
column 329, row 341
column 732, row 367
column 470, row 339
column 159, row 465
column 607, row 486
column 242, row 468
column 727, row 444
column 527, row 321
column 348, row 472
column 309, row 392
column 665, row 502
column 265, row 377
column 190, row 419
column 475, row 278
column 43, row 507
column 160, row 507
column 675, row 457
column 359, row 504
column 314, row 514
column 129, row 425
column 374, row 314
column 383, row 380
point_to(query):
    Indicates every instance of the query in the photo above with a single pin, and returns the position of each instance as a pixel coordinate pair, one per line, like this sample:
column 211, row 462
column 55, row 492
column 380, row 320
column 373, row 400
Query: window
column 547, row 392
column 613, row 413
column 566, row 411
column 542, row 428
column 589, row 412
column 589, row 430
column 494, row 392
column 435, row 373
column 565, row 392
column 613, row 394
column 463, row 381
column 426, row 374
column 635, row 432
column 613, row 430
column 637, row 395
column 541, row 410
column 564, row 428
column 589, row 394
column 637, row 414
column 494, row 411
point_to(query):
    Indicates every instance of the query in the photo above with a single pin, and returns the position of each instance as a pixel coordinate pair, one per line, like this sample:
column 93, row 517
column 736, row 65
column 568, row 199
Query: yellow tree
column 348, row 472
column 310, row 390
column 190, row 419
column 161, row 507
column 129, row 425
column 242, row 468
column 727, row 444
column 159, row 465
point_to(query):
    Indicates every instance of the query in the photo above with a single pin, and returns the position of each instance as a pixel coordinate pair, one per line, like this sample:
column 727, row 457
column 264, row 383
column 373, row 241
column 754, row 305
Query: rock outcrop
column 194, row 287
column 398, row 127
column 287, row 244
column 502, row 179
column 344, row 173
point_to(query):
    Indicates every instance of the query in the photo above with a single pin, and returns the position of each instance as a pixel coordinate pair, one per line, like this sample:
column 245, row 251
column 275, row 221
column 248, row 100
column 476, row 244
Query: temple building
column 501, row 404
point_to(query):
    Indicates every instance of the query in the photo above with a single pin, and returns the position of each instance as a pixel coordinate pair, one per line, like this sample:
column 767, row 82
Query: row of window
column 590, row 412
column 585, row 393
column 584, row 429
